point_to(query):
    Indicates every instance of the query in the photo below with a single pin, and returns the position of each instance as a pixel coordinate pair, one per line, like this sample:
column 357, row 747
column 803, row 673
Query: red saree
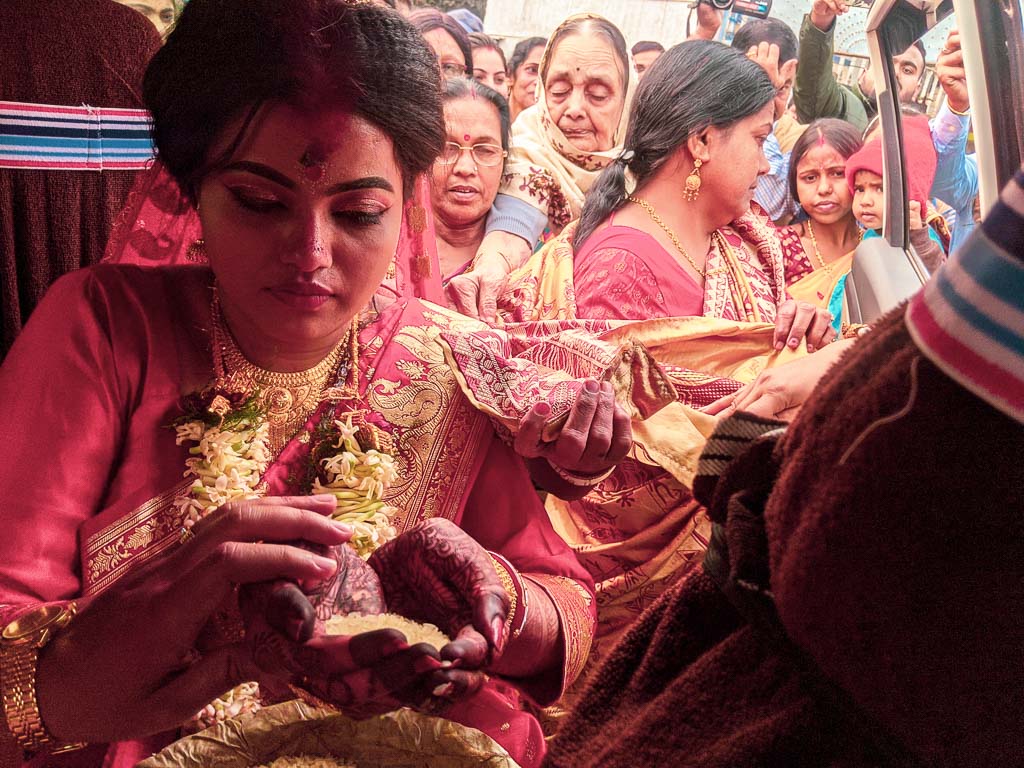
column 100, row 370
column 622, row 272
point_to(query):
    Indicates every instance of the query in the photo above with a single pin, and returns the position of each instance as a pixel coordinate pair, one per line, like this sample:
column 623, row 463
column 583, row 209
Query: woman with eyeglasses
column 466, row 176
column 447, row 39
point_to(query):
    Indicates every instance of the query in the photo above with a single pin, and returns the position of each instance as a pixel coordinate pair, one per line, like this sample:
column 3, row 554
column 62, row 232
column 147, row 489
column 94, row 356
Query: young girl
column 819, row 250
column 864, row 178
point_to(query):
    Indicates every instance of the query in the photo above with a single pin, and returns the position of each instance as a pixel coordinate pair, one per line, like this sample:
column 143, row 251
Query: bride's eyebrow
column 258, row 169
column 367, row 182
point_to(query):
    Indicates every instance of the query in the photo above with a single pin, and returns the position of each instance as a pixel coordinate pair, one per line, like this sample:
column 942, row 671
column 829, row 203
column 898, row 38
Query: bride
column 297, row 128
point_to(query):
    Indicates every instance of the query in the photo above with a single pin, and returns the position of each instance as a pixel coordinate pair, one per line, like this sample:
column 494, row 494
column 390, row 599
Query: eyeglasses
column 483, row 154
column 452, row 70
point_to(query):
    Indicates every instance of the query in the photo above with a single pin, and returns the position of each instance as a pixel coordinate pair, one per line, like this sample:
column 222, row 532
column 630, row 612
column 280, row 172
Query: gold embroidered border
column 575, row 607
column 130, row 540
column 437, row 429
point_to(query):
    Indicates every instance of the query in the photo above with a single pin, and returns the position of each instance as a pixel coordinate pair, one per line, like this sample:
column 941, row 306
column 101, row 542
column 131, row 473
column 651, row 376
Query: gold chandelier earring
column 691, row 188
column 196, row 252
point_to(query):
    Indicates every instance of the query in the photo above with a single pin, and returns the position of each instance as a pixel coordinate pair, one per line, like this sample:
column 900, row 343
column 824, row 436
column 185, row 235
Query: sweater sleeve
column 816, row 92
column 512, row 215
column 929, row 251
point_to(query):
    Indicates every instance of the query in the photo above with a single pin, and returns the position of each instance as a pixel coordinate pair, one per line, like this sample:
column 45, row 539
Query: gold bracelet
column 510, row 590
column 957, row 112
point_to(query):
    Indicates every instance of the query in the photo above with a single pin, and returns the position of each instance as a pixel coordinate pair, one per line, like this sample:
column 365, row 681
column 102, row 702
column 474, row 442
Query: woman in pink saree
column 669, row 235
column 173, row 433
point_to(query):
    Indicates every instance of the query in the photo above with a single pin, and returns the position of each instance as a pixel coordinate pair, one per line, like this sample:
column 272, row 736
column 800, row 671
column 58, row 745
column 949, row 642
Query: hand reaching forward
column 475, row 293
column 797, row 319
column 824, row 12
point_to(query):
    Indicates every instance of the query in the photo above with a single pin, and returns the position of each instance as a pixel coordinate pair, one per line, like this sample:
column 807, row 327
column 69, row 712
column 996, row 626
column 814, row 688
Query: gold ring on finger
column 185, row 535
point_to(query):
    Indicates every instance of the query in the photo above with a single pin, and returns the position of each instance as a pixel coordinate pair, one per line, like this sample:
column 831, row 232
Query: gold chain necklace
column 817, row 251
column 287, row 398
column 671, row 235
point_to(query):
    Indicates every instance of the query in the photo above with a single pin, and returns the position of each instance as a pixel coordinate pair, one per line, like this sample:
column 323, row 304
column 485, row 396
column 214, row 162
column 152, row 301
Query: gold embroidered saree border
column 577, row 616
column 130, row 541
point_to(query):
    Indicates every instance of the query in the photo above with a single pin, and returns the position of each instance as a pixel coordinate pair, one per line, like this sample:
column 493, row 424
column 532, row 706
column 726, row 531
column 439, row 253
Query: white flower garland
column 227, row 464
column 230, row 457
column 359, row 479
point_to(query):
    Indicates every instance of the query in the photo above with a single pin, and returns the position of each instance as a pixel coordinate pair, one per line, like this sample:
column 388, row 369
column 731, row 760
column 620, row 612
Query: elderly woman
column 282, row 388
column 466, row 176
column 560, row 146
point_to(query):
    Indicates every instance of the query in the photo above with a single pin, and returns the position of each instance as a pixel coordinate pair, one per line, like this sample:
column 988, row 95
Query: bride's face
column 301, row 225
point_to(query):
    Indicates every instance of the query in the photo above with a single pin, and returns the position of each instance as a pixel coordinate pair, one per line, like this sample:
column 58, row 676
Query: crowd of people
column 361, row 314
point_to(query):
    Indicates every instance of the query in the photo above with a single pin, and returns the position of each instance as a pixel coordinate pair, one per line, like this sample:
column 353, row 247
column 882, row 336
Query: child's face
column 868, row 199
column 821, row 184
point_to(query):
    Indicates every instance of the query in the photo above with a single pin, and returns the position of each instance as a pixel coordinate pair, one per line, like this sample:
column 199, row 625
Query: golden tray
column 400, row 739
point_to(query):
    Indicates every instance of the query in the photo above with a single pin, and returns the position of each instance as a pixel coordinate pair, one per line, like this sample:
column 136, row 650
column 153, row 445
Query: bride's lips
column 304, row 296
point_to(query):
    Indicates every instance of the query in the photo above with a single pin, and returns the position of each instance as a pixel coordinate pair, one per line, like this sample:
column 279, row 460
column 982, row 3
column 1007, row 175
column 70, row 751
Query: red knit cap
column 920, row 153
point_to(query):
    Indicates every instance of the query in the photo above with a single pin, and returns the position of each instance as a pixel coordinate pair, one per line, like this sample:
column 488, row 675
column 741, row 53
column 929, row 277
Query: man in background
column 645, row 53
column 816, row 92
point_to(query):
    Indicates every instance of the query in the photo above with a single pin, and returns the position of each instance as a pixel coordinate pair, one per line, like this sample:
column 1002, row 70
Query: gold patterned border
column 578, row 617
column 131, row 540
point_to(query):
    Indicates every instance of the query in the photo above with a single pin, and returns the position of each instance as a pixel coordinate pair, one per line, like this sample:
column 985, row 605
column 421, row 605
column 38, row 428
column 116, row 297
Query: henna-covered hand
column 363, row 675
column 280, row 615
column 370, row 673
column 435, row 572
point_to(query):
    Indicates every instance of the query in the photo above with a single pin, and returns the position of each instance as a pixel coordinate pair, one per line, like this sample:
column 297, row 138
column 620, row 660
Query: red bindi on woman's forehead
column 465, row 137
column 313, row 162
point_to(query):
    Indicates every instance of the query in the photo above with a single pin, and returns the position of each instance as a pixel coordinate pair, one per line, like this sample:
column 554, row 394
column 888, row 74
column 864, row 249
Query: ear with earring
column 196, row 251
column 691, row 188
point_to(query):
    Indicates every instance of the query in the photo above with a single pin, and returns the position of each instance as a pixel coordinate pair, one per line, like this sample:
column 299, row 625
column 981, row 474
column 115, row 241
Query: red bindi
column 465, row 137
column 313, row 161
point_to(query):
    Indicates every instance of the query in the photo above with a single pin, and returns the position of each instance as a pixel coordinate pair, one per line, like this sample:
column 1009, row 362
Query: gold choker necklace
column 287, row 398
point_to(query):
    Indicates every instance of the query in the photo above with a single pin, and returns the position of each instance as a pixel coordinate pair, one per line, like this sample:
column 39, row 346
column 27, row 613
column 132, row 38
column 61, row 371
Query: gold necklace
column 671, row 235
column 287, row 398
column 817, row 251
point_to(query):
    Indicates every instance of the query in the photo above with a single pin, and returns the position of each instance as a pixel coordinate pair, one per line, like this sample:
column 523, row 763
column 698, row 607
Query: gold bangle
column 957, row 112
column 510, row 590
